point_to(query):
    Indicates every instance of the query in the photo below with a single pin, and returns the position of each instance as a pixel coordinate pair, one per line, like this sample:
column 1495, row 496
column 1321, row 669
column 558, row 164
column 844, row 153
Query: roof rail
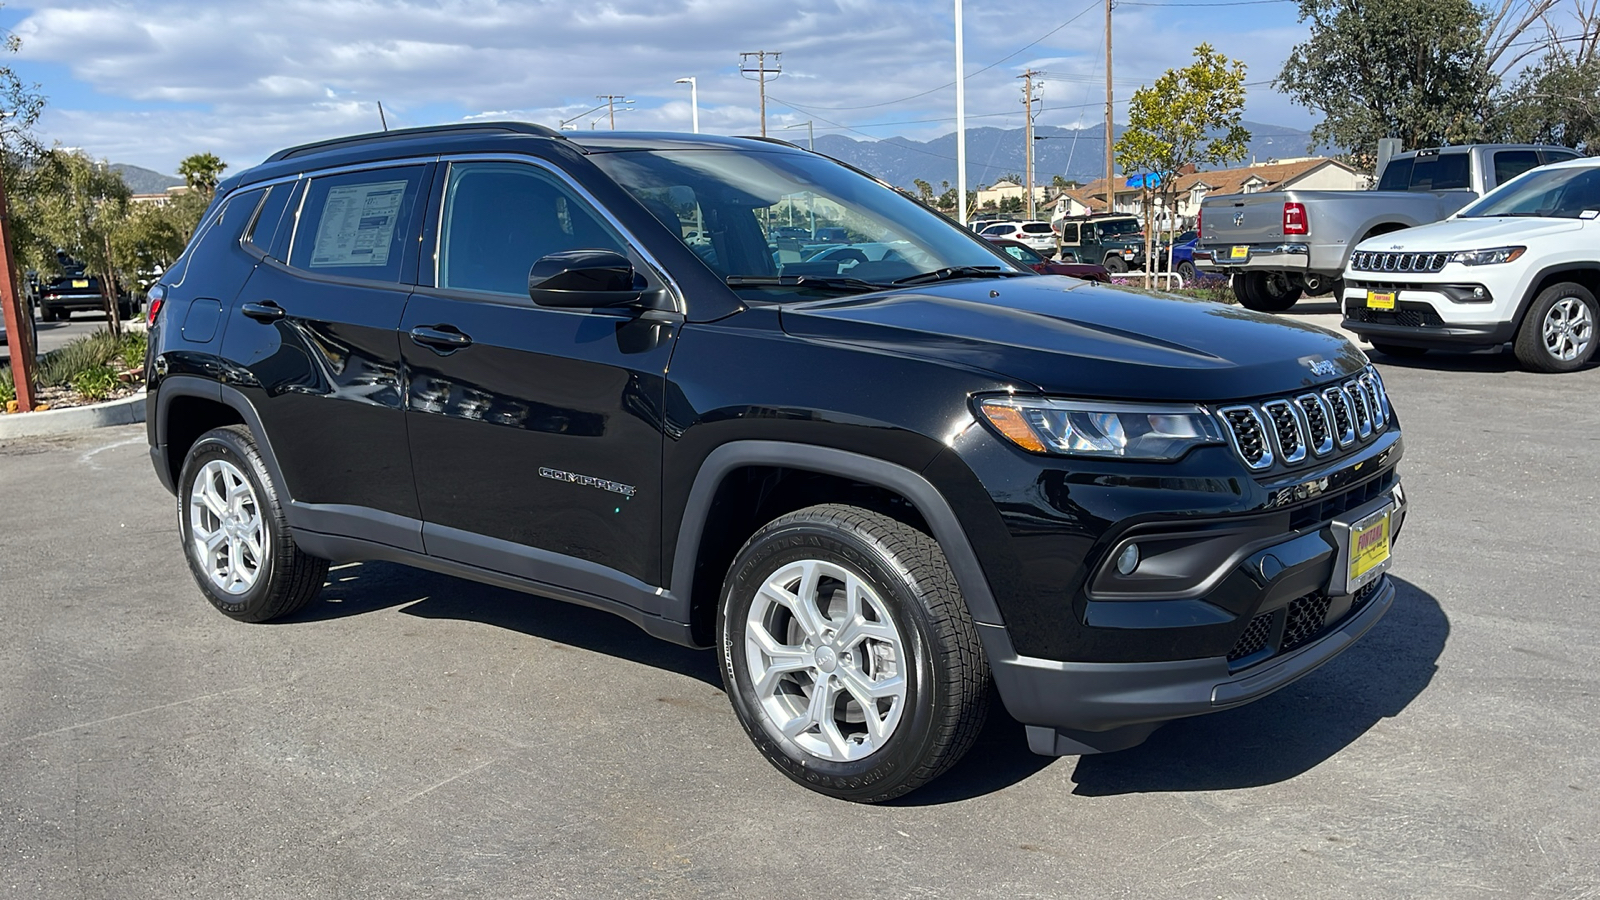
column 402, row 133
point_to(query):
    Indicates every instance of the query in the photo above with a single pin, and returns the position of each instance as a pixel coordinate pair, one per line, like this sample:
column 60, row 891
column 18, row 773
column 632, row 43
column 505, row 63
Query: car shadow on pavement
column 367, row 587
column 1296, row 729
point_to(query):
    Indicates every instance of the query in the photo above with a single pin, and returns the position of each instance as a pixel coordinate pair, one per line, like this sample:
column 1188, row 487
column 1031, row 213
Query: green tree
column 1557, row 99
column 1190, row 116
column 924, row 191
column 77, row 206
column 1417, row 70
column 201, row 172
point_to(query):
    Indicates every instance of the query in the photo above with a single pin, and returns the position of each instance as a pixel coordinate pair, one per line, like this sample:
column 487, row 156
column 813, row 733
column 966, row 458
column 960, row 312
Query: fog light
column 1128, row 560
column 1478, row 293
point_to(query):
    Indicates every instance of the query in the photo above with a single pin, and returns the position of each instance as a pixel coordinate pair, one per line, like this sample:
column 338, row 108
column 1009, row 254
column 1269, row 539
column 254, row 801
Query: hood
column 1069, row 337
column 1470, row 234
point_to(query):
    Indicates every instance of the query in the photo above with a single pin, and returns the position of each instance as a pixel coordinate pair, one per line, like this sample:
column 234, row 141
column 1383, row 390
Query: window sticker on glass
column 358, row 223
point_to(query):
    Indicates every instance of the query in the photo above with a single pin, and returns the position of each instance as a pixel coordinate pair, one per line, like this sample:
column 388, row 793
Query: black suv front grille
column 1292, row 430
column 1254, row 639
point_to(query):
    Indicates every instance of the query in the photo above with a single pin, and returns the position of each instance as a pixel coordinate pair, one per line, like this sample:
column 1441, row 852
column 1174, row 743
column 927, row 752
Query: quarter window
column 501, row 218
column 356, row 224
column 265, row 226
column 1069, row 232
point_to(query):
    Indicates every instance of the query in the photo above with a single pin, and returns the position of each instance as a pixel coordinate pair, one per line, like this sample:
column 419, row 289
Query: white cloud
column 242, row 80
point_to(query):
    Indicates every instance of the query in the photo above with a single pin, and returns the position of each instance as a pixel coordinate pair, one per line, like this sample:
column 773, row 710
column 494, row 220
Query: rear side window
column 1069, row 232
column 501, row 218
column 1445, row 172
column 356, row 224
column 1551, row 156
column 268, row 216
column 1397, row 174
column 997, row 229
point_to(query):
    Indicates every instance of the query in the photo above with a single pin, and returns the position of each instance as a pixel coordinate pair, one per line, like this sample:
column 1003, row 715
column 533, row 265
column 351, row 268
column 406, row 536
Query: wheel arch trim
column 917, row 490
column 174, row 386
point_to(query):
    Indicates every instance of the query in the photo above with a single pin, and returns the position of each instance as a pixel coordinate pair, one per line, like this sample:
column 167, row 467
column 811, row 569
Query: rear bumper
column 1261, row 258
column 1075, row 708
column 73, row 301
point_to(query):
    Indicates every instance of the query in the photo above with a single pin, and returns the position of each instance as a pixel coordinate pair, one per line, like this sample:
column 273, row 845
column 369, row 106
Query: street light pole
column 811, row 140
column 694, row 100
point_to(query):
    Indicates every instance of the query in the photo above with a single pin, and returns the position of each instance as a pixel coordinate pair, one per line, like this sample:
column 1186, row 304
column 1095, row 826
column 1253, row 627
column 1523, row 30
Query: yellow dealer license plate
column 1239, row 253
column 80, row 282
column 1380, row 299
column 1369, row 548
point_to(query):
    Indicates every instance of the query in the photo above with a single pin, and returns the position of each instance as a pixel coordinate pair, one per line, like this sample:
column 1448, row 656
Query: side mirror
column 584, row 279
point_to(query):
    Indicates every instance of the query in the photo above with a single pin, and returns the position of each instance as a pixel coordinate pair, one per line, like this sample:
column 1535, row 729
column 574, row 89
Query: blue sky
column 150, row 82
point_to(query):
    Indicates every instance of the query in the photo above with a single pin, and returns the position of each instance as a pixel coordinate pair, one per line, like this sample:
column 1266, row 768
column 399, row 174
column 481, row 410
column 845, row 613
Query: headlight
column 1100, row 428
column 1487, row 257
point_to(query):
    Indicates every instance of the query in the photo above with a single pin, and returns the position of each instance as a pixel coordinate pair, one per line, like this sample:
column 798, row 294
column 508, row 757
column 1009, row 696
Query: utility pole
column 18, row 315
column 611, row 106
column 761, row 72
column 1111, row 162
column 961, row 124
column 1027, row 102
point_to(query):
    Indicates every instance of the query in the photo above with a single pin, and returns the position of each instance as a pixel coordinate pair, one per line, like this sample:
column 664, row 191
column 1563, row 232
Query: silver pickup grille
column 1382, row 261
column 1291, row 430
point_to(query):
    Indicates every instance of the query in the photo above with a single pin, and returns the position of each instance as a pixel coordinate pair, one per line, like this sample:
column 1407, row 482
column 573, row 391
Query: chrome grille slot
column 1286, row 428
column 1344, row 430
column 1358, row 403
column 1369, row 388
column 1249, row 436
column 1319, row 431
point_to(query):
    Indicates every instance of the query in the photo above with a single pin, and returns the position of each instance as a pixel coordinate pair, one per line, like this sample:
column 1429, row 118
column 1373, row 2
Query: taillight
column 157, row 296
column 1199, row 223
column 1294, row 218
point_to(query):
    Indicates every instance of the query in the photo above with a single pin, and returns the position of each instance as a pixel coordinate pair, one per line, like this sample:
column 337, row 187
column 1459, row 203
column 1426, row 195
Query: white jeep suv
column 1522, row 265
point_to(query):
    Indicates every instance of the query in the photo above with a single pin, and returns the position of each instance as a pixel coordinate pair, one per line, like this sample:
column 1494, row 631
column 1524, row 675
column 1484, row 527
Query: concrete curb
column 125, row 411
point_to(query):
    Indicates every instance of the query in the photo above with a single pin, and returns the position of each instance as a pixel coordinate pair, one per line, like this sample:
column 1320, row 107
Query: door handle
column 265, row 311
column 440, row 337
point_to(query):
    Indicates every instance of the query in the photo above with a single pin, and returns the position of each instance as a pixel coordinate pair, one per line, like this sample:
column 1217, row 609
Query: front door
column 536, row 433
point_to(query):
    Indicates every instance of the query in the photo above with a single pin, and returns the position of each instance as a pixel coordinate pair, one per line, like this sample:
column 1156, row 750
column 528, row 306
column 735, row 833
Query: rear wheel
column 46, row 314
column 1558, row 331
column 1186, row 271
column 1265, row 291
column 234, row 533
column 848, row 654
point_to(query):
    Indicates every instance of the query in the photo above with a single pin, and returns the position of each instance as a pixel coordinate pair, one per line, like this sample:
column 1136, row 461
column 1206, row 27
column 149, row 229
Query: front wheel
column 1116, row 265
column 848, row 654
column 1557, row 333
column 234, row 533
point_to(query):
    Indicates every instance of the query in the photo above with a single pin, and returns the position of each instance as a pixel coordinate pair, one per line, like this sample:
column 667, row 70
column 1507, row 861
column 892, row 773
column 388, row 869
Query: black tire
column 946, row 675
column 1116, row 265
column 286, row 578
column 1398, row 351
column 1186, row 271
column 1531, row 346
column 46, row 314
column 1265, row 291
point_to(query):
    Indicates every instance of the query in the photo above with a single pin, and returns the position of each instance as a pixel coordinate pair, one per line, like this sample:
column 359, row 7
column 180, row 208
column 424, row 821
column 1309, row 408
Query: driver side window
column 498, row 219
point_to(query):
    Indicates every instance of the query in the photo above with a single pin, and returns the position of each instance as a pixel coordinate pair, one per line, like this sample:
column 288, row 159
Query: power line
column 1223, row 3
column 1079, row 15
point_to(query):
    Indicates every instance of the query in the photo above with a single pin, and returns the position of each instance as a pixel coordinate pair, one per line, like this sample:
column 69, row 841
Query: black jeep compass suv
column 582, row 366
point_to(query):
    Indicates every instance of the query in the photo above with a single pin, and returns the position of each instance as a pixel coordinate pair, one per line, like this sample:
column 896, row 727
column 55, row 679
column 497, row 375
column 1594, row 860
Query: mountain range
column 144, row 181
column 1074, row 154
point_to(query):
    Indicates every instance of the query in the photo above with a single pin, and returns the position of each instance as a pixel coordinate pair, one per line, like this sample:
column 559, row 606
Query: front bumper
column 1431, row 314
column 1074, row 707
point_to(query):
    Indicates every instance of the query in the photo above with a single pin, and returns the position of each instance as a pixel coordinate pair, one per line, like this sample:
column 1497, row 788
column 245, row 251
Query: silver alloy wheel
column 225, row 527
column 826, row 660
column 1568, row 329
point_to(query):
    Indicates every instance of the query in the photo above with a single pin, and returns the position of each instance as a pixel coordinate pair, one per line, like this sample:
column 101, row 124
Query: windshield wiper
column 823, row 282
column 950, row 272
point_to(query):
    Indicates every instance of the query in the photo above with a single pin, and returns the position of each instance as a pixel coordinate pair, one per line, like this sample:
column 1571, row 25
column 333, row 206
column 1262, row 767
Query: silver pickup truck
column 1279, row 245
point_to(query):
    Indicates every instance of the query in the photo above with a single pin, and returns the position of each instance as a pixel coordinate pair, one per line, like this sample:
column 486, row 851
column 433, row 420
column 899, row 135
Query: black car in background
column 74, row 291
column 878, row 487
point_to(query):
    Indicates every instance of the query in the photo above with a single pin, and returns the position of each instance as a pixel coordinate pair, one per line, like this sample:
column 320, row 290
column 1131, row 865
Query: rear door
column 314, row 339
column 536, row 432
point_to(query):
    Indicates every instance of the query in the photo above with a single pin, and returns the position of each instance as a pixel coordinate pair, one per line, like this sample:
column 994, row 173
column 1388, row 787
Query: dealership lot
column 418, row 736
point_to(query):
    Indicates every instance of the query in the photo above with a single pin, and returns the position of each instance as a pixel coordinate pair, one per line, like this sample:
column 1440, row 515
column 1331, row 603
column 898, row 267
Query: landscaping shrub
column 95, row 384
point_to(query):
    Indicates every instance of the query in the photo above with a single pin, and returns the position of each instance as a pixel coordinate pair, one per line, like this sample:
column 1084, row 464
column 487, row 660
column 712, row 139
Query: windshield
column 757, row 217
column 1564, row 193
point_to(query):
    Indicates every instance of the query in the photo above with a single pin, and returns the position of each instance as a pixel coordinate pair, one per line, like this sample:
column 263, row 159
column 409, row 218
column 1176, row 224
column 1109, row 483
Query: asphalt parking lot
column 417, row 736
